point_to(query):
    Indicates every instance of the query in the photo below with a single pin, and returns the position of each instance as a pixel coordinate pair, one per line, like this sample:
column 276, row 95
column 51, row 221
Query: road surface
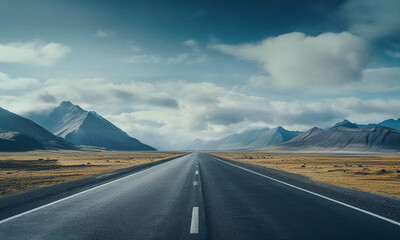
column 196, row 197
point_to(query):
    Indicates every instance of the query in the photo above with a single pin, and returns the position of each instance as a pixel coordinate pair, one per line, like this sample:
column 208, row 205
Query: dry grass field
column 22, row 171
column 373, row 173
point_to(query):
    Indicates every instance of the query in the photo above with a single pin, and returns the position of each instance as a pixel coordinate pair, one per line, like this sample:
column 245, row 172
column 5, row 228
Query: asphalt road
column 196, row 197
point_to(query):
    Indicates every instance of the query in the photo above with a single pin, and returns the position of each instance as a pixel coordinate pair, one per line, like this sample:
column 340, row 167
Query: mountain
column 252, row 139
column 18, row 142
column 87, row 128
column 391, row 123
column 342, row 138
column 24, row 130
column 345, row 123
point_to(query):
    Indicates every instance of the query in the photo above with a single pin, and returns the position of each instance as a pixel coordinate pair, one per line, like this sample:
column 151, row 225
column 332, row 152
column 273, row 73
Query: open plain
column 26, row 170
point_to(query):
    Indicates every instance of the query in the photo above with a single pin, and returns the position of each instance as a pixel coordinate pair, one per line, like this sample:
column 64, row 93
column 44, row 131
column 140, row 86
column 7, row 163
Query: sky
column 172, row 72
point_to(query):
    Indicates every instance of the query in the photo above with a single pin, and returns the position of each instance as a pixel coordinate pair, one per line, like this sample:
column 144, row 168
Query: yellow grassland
column 23, row 171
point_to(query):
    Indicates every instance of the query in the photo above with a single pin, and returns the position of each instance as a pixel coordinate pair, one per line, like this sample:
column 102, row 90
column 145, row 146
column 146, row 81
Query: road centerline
column 194, row 225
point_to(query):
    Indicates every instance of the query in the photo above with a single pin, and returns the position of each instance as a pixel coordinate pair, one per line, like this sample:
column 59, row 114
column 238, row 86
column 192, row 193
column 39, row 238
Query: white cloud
column 167, row 114
column 178, row 59
column 7, row 83
column 194, row 57
column 144, row 58
column 35, row 52
column 394, row 54
column 192, row 44
column 155, row 59
column 105, row 33
column 379, row 80
column 197, row 56
column 296, row 61
column 373, row 19
column 374, row 80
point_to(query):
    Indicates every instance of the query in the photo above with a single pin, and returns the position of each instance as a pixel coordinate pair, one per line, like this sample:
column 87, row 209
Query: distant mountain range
column 343, row 136
column 390, row 123
column 346, row 137
column 68, row 126
column 82, row 127
column 251, row 139
column 21, row 134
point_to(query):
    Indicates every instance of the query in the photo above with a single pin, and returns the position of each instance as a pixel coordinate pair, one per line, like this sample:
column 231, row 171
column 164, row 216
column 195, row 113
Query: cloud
column 47, row 98
column 374, row 80
column 192, row 44
column 35, row 52
column 367, row 111
column 194, row 57
column 178, row 59
column 105, row 33
column 197, row 56
column 394, row 54
column 171, row 114
column 379, row 80
column 373, row 19
column 8, row 84
column 297, row 61
column 98, row 91
column 144, row 58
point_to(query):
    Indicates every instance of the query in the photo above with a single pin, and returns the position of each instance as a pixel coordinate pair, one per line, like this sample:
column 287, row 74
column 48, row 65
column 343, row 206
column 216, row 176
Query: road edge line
column 313, row 193
column 80, row 193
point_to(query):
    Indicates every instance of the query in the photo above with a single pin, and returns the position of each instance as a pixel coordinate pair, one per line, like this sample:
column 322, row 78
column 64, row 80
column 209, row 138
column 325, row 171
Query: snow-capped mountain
column 82, row 127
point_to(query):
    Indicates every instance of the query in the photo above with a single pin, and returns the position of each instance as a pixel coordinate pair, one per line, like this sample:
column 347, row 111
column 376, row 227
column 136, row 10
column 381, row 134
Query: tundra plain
column 26, row 170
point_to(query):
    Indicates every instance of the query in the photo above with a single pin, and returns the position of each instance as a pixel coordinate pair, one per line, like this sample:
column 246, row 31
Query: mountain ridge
column 342, row 138
column 254, row 138
column 82, row 127
column 12, row 122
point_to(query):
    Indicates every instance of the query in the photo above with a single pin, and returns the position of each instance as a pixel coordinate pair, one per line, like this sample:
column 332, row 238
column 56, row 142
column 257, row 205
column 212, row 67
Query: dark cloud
column 310, row 117
column 47, row 98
